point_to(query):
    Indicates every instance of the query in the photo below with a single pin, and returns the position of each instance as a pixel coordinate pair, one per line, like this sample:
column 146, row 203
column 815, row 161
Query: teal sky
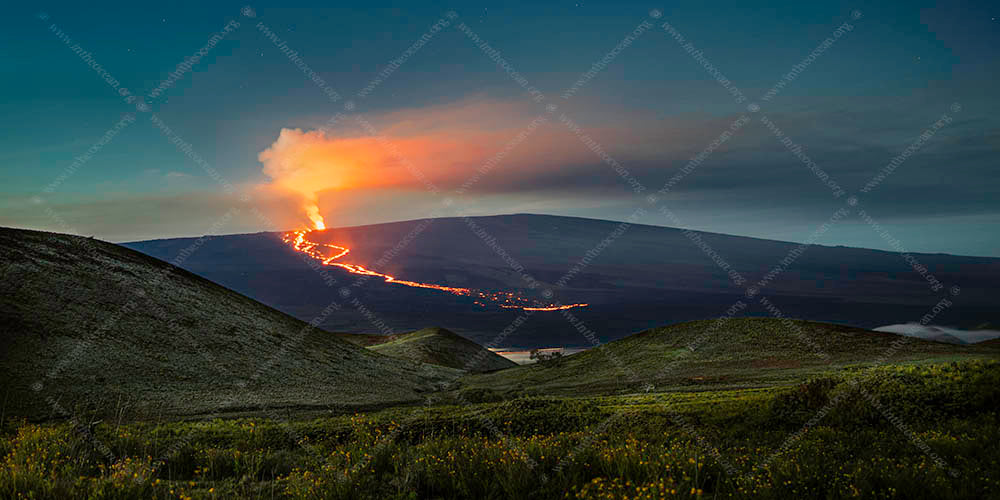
column 861, row 102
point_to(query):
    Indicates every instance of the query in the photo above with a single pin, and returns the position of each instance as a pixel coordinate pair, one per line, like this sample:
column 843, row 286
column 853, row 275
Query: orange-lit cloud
column 466, row 145
column 475, row 145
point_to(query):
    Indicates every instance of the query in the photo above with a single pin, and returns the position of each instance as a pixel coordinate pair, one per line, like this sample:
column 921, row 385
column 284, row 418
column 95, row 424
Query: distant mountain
column 88, row 326
column 736, row 353
column 634, row 277
column 436, row 346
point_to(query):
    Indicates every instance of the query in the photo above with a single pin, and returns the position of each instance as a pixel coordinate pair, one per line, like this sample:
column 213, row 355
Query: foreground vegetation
column 901, row 431
column 733, row 353
column 436, row 346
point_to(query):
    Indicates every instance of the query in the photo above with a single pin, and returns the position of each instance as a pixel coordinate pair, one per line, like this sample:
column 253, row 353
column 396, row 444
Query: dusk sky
column 412, row 103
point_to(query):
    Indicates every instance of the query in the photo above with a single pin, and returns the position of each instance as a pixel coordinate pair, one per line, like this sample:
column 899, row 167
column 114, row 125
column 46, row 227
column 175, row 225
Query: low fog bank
column 940, row 333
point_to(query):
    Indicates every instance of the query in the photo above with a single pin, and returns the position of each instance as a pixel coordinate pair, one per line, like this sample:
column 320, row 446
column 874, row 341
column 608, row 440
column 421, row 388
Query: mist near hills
column 640, row 277
column 941, row 333
column 717, row 354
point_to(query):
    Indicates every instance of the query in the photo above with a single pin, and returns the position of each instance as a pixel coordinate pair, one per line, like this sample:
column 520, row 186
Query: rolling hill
column 713, row 354
column 91, row 326
column 643, row 277
column 436, row 346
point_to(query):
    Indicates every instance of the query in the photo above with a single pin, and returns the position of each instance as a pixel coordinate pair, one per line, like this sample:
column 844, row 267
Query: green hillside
column 91, row 326
column 364, row 339
column 436, row 346
column 736, row 353
column 748, row 443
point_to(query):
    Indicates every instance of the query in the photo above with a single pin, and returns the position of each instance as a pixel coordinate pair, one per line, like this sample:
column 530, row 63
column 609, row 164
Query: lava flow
column 507, row 300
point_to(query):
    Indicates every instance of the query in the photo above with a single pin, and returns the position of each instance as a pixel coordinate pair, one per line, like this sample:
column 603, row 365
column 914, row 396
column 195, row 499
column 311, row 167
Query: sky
column 749, row 120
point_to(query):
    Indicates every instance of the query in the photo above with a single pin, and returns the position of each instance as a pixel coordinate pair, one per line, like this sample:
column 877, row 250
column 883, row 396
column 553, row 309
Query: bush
column 801, row 403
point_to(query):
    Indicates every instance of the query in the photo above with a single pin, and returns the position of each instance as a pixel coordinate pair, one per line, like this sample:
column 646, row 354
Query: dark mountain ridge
column 643, row 277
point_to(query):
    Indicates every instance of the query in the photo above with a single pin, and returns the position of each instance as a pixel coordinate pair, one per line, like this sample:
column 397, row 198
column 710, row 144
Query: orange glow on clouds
column 309, row 163
column 445, row 145
column 476, row 144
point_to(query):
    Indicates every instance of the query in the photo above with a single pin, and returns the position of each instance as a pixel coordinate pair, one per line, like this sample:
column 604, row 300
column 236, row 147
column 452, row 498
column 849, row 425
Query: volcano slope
column 732, row 353
column 436, row 346
column 91, row 326
column 648, row 276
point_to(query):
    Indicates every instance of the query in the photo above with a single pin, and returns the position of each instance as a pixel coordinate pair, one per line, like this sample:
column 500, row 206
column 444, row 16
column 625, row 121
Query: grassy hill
column 91, row 326
column 436, row 346
column 738, row 353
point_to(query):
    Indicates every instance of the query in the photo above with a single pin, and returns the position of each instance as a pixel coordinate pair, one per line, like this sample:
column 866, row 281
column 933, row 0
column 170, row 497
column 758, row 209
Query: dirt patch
column 775, row 363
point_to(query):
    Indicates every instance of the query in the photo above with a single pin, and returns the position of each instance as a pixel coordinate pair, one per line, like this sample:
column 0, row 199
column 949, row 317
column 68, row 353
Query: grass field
column 436, row 346
column 906, row 431
column 737, row 353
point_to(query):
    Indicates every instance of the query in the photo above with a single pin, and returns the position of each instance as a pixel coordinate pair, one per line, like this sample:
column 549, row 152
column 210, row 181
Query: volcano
column 329, row 255
column 642, row 277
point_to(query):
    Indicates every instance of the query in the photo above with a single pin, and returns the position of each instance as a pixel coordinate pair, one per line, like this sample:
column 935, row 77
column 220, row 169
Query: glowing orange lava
column 507, row 300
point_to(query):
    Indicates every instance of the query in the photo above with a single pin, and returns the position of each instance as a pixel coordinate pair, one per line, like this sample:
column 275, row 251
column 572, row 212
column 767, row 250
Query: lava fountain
column 328, row 255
